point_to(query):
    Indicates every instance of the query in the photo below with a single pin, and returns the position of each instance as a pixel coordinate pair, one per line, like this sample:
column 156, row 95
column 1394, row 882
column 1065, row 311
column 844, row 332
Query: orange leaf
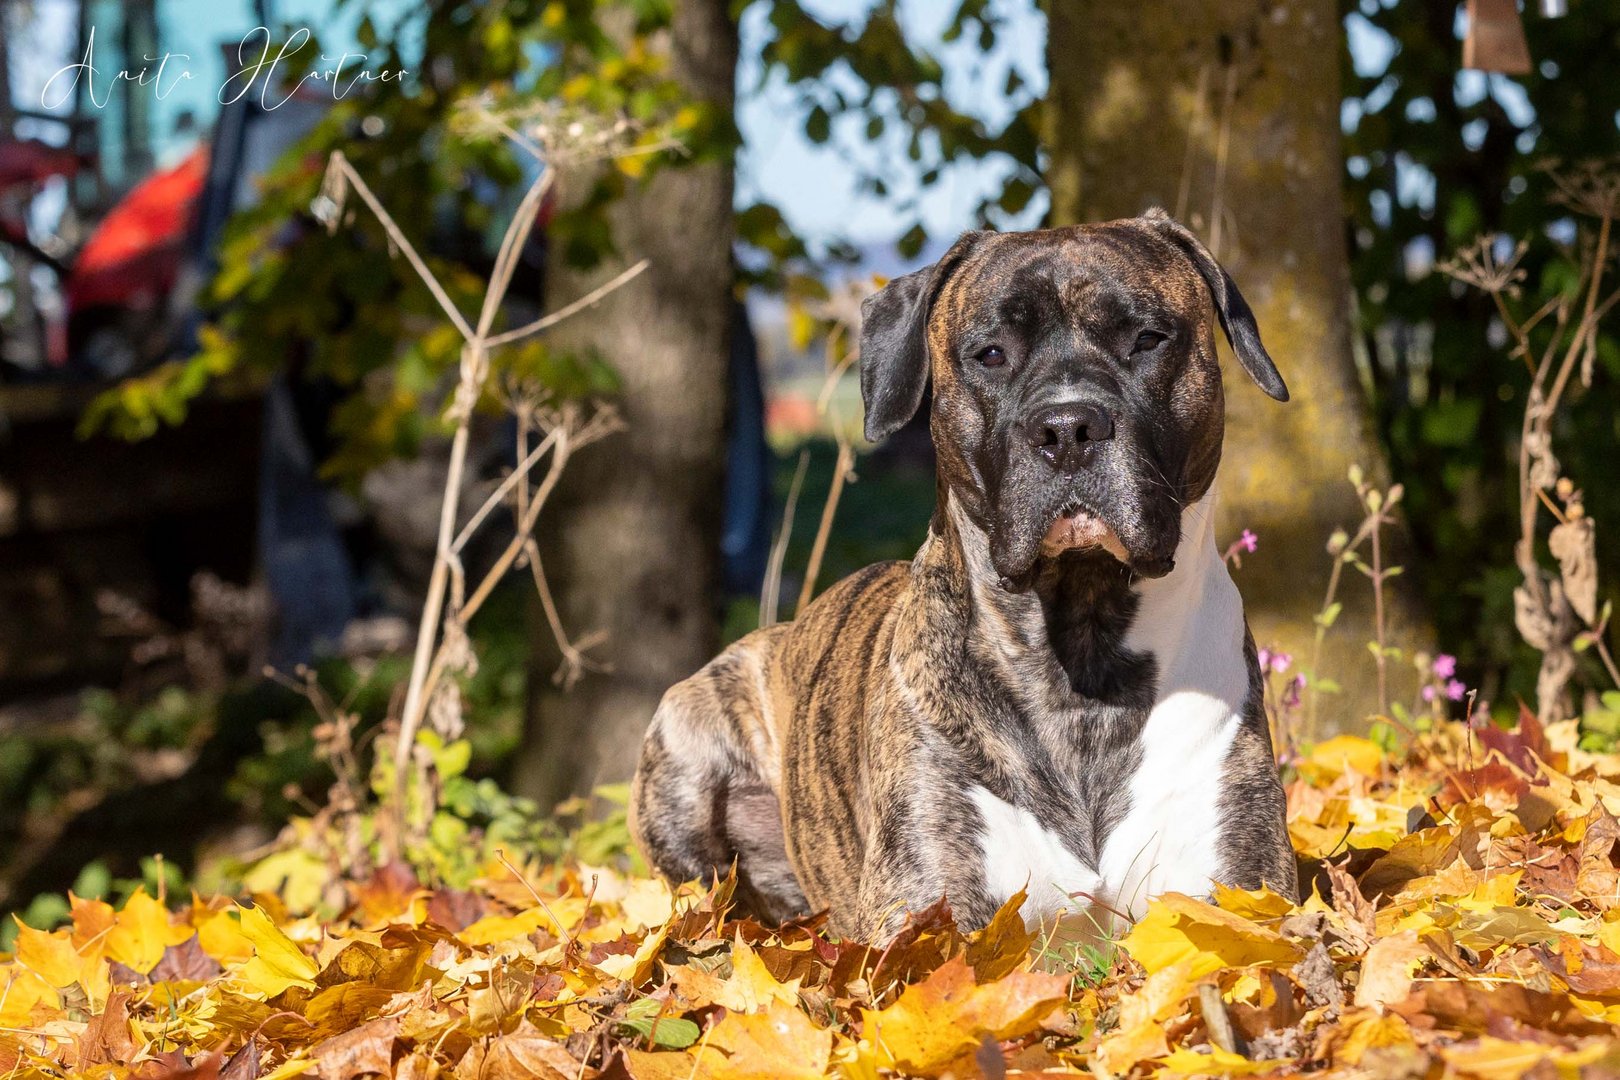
column 946, row 1016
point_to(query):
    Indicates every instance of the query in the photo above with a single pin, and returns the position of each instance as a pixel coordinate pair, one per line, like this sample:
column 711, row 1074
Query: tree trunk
column 631, row 544
column 1227, row 115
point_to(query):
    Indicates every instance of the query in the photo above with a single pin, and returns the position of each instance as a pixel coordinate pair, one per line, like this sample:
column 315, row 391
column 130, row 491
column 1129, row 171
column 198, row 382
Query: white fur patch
column 1020, row 853
column 1191, row 621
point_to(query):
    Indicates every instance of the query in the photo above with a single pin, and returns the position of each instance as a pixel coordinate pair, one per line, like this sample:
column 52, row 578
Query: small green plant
column 1346, row 550
column 1600, row 726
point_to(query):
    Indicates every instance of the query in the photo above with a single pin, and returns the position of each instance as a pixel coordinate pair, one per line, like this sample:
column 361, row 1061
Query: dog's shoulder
column 845, row 621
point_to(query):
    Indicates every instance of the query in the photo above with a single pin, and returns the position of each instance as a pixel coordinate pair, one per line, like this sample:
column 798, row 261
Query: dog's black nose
column 1065, row 435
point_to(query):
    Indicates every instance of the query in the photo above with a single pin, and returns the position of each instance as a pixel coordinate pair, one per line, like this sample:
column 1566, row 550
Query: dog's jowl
column 1059, row 693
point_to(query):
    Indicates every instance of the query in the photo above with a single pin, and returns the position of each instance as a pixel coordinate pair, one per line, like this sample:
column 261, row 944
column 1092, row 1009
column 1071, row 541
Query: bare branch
column 592, row 297
column 339, row 165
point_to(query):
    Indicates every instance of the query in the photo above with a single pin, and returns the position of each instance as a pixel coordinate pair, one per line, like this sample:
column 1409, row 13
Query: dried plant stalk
column 1555, row 613
column 441, row 640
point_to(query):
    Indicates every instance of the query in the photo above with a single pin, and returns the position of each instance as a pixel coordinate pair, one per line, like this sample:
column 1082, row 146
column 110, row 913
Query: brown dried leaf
column 1388, row 968
column 1574, row 545
column 362, row 1051
column 106, row 1039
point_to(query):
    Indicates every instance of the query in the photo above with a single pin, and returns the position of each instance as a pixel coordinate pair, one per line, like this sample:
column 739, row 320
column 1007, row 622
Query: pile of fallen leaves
column 1462, row 919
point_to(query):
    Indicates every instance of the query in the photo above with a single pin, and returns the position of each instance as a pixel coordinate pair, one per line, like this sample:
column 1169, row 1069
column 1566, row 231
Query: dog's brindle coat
column 1059, row 692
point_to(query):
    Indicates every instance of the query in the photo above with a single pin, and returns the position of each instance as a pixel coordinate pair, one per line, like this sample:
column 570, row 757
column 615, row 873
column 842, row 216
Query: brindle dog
column 1059, row 693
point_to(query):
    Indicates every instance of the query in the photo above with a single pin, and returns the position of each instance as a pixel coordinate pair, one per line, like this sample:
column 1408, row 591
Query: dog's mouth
column 1072, row 524
column 1076, row 525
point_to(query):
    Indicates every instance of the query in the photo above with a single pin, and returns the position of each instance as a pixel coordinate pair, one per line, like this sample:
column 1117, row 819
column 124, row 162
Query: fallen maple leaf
column 106, row 1038
column 1178, row 928
column 277, row 961
column 780, row 1042
column 942, row 1018
column 1387, row 969
column 142, row 931
column 51, row 956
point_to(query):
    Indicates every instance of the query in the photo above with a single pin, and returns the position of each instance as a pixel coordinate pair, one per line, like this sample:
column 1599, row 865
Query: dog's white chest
column 1168, row 839
column 1021, row 853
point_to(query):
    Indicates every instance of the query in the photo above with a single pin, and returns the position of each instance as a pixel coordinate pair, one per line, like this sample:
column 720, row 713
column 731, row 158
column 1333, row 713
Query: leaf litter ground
column 1462, row 919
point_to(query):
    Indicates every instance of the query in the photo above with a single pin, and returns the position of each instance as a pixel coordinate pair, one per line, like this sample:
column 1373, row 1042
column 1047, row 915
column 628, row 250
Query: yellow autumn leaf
column 277, row 961
column 1177, row 928
column 1370, row 1029
column 1608, row 934
column 1490, row 1058
column 1256, row 905
column 647, row 904
column 141, row 933
column 1345, row 753
column 1140, row 1035
column 801, row 327
column 1217, row 1062
column 297, row 1066
column 92, row 921
column 1501, row 926
column 49, row 955
column 295, row 874
column 1004, row 942
column 635, row 968
column 564, row 912
column 21, row 991
column 780, row 1042
column 222, row 939
column 1387, row 969
column 751, row 986
column 948, row 1015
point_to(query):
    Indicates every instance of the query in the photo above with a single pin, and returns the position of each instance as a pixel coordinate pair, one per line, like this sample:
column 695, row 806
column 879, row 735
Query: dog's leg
column 1254, row 808
column 921, row 846
column 702, row 797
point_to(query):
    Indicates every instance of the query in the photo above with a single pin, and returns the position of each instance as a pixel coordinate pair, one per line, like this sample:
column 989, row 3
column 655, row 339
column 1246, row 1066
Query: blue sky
column 815, row 185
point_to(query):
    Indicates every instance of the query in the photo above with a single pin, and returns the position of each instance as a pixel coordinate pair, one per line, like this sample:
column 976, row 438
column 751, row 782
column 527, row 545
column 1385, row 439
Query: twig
column 427, row 629
column 568, row 938
column 498, row 496
column 770, row 592
column 350, row 178
column 1222, row 143
column 1184, row 191
column 841, row 471
column 575, row 662
column 548, row 321
column 1378, row 610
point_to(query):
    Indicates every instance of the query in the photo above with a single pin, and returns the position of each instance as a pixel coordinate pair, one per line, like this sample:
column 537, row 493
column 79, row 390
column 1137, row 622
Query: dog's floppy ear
column 1236, row 317
column 894, row 342
column 894, row 352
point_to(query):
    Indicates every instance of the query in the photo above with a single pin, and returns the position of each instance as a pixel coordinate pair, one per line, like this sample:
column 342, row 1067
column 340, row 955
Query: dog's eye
column 1147, row 341
column 992, row 357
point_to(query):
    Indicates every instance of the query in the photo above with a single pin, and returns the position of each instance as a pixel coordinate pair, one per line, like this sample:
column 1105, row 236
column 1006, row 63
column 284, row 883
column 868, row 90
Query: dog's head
column 1077, row 395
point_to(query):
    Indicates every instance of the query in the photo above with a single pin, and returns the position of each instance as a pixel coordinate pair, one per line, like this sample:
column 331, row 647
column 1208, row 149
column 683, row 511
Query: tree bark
column 1227, row 115
column 631, row 544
